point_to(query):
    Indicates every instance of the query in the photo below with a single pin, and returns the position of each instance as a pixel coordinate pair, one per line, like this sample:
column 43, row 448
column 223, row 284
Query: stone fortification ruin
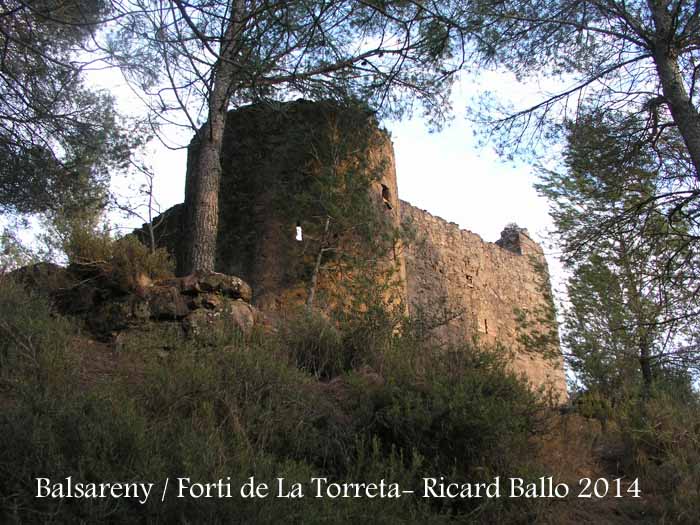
column 309, row 201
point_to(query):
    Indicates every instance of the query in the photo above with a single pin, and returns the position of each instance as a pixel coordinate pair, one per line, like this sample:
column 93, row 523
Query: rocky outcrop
column 214, row 282
column 192, row 306
column 220, row 313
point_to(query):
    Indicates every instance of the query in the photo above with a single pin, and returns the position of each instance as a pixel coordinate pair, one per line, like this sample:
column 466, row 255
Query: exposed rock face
column 165, row 303
column 199, row 302
column 166, row 310
column 43, row 275
column 236, row 314
column 208, row 282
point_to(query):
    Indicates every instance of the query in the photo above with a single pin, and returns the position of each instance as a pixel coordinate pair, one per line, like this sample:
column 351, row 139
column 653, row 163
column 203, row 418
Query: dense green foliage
column 632, row 57
column 628, row 233
column 243, row 408
column 389, row 54
column 58, row 138
column 123, row 261
column 662, row 445
column 627, row 228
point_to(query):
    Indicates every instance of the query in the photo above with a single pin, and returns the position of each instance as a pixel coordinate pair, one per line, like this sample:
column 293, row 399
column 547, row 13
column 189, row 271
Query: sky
column 449, row 175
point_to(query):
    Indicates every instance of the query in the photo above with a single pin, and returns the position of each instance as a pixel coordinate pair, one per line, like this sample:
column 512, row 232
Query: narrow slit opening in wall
column 386, row 196
column 486, row 326
column 299, row 235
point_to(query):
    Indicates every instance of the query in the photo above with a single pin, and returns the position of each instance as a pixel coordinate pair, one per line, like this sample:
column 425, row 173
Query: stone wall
column 288, row 165
column 494, row 292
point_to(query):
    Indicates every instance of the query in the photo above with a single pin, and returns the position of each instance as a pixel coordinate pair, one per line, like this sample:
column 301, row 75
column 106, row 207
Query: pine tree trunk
column 202, row 187
column 684, row 113
column 643, row 318
column 204, row 215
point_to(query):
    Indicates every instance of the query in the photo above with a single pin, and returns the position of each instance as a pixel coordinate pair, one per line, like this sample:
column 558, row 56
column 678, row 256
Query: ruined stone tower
column 301, row 179
column 330, row 174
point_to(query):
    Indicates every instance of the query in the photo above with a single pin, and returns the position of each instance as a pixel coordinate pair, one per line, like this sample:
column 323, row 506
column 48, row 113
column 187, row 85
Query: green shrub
column 247, row 409
column 314, row 344
column 457, row 407
column 33, row 339
column 126, row 260
column 86, row 246
column 593, row 405
column 661, row 443
column 131, row 258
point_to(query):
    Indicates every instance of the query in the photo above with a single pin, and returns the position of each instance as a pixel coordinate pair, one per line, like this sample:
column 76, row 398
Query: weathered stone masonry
column 499, row 289
column 492, row 285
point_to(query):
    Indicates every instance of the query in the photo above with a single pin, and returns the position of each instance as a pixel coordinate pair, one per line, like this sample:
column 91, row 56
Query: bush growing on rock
column 126, row 261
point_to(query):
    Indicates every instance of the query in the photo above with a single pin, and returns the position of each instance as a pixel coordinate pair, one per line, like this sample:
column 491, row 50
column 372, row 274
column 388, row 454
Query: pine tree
column 628, row 239
column 58, row 139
